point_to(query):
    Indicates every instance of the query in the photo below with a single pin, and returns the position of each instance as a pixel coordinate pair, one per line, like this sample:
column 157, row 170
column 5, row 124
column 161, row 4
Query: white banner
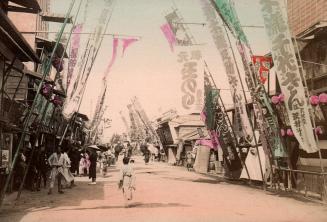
column 288, row 73
column 218, row 35
column 191, row 71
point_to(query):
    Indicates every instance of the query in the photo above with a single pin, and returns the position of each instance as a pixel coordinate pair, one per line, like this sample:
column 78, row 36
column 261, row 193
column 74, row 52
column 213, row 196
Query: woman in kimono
column 127, row 181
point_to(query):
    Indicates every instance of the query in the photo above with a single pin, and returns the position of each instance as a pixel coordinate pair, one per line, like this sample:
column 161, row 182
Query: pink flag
column 126, row 43
column 113, row 57
column 170, row 36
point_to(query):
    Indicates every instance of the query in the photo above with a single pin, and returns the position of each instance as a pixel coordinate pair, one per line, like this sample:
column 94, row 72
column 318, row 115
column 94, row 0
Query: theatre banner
column 288, row 72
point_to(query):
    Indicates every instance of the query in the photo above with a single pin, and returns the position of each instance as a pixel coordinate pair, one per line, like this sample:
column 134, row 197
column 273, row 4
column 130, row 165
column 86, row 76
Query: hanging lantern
column 275, row 100
column 323, row 98
column 314, row 100
column 281, row 98
column 57, row 101
column 289, row 132
column 318, row 130
column 46, row 90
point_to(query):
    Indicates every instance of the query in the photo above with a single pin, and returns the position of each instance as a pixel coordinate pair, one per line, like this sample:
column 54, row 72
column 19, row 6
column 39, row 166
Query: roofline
column 18, row 40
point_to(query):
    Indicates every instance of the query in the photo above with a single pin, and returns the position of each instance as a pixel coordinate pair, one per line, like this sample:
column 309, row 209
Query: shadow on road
column 133, row 205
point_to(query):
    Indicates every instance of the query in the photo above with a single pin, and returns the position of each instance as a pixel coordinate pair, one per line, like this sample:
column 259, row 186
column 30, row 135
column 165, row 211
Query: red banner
column 264, row 64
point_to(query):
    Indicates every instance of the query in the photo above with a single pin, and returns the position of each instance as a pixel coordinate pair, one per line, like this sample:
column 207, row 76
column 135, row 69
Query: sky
column 149, row 69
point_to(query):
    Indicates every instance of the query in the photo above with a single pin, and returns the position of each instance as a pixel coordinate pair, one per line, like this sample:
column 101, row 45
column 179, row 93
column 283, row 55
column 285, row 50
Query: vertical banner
column 228, row 13
column 75, row 45
column 191, row 94
column 264, row 63
column 288, row 73
column 218, row 34
column 85, row 62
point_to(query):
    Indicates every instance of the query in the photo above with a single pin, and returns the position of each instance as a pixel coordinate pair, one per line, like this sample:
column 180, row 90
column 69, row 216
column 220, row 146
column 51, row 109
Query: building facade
column 302, row 14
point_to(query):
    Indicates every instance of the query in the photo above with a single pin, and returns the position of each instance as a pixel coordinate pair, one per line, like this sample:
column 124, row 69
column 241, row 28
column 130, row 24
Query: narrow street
column 164, row 193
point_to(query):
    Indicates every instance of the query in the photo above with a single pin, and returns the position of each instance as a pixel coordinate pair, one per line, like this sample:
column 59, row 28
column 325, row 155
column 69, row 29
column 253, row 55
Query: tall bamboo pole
column 230, row 123
column 246, row 101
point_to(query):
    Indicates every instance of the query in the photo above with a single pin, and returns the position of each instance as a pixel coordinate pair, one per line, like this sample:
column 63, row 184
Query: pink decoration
column 275, row 100
column 46, row 90
column 214, row 138
column 314, row 100
column 289, row 132
column 169, row 34
column 323, row 98
column 206, row 142
column 126, row 43
column 113, row 58
column 203, row 116
column 282, row 131
column 318, row 130
column 57, row 101
column 281, row 98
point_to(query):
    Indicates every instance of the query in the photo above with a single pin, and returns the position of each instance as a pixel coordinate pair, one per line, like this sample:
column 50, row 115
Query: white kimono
column 128, row 177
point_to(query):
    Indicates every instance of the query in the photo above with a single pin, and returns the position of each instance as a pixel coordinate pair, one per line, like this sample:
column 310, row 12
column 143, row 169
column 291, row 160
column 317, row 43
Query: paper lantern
column 281, row 98
column 323, row 98
column 275, row 100
column 289, row 132
column 314, row 100
column 318, row 130
column 46, row 90
column 57, row 101
column 282, row 132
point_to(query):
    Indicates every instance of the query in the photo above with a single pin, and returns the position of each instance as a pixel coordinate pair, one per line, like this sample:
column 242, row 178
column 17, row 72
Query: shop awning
column 52, row 17
column 28, row 6
column 49, row 45
column 314, row 31
column 12, row 42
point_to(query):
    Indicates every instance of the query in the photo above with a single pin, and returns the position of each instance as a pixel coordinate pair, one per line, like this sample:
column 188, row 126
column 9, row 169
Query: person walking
column 127, row 181
column 56, row 162
column 42, row 168
column 69, row 178
column 82, row 165
column 93, row 167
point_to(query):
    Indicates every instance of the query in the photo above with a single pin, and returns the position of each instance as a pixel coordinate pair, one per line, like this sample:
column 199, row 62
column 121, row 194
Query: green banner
column 227, row 11
column 211, row 99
